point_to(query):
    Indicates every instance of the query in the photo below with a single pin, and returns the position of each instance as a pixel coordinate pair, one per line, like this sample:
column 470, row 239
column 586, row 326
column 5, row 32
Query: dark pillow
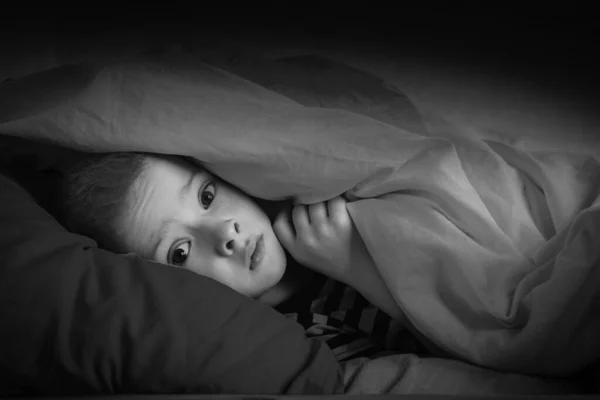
column 79, row 320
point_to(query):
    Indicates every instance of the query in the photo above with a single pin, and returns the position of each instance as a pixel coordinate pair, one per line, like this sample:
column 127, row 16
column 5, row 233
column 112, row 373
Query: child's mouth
column 257, row 254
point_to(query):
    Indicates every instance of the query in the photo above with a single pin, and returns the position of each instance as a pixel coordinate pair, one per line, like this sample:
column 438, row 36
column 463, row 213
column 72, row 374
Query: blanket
column 489, row 249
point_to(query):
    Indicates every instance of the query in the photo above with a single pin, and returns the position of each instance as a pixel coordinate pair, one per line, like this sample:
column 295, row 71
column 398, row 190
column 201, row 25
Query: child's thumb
column 284, row 230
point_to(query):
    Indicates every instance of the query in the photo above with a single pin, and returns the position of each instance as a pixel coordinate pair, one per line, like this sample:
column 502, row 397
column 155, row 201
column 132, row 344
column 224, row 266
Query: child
column 170, row 210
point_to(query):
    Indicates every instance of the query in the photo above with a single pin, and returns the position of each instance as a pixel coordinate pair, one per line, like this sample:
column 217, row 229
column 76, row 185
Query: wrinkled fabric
column 409, row 374
column 489, row 249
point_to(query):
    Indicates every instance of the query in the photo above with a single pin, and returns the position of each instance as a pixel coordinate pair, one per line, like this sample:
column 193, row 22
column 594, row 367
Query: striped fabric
column 351, row 326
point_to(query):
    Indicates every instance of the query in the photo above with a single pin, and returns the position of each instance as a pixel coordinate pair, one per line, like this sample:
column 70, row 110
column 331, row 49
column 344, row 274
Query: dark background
column 543, row 39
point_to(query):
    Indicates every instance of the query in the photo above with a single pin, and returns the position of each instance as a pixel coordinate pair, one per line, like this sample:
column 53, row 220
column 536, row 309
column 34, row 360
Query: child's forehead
column 160, row 175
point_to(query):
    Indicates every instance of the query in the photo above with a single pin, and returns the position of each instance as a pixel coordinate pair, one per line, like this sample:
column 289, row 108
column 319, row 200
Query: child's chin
column 271, row 279
column 272, row 296
column 262, row 296
column 271, row 282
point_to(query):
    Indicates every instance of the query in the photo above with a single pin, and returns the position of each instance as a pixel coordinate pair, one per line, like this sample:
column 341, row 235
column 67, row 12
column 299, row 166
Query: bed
column 80, row 320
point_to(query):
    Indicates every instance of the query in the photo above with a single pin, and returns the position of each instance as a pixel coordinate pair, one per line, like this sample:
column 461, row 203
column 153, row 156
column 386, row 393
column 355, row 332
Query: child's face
column 182, row 215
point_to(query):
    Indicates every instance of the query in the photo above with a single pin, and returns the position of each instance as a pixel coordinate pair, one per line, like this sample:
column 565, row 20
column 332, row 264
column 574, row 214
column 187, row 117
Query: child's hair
column 96, row 192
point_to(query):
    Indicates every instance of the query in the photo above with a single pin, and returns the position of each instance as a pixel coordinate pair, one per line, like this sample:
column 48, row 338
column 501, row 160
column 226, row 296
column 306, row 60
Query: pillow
column 79, row 320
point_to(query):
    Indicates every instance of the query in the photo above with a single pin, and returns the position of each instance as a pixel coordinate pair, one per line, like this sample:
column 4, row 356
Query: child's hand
column 320, row 236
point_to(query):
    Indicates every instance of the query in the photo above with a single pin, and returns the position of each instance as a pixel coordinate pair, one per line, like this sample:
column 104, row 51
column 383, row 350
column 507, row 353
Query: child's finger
column 284, row 230
column 317, row 213
column 300, row 219
column 337, row 209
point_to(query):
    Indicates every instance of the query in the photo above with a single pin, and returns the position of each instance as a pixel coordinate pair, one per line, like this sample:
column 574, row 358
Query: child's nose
column 230, row 241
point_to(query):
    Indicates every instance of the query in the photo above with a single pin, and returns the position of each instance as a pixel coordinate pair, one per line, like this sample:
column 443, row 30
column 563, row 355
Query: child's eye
column 180, row 254
column 207, row 195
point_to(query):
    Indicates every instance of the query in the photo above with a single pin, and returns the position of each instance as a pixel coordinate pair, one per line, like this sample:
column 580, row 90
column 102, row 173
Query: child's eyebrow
column 183, row 192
